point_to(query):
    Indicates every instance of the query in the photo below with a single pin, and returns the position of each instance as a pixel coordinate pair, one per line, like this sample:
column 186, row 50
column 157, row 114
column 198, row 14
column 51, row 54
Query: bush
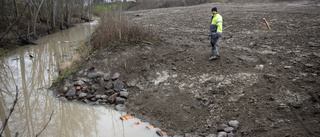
column 116, row 30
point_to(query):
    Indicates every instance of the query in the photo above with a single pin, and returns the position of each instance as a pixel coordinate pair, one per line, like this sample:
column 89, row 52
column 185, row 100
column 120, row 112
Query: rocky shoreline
column 95, row 88
column 99, row 88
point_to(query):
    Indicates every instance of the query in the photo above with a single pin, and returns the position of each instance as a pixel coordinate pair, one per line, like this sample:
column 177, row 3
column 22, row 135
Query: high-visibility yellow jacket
column 217, row 20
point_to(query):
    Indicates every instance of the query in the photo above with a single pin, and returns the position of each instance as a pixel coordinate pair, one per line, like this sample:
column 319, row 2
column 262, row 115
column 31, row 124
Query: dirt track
column 267, row 80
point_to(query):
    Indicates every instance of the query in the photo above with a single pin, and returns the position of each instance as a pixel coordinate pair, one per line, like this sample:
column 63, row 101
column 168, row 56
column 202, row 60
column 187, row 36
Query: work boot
column 213, row 57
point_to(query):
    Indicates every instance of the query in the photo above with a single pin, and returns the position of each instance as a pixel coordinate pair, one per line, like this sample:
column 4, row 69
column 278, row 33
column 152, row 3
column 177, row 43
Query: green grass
column 2, row 52
column 73, row 70
column 104, row 8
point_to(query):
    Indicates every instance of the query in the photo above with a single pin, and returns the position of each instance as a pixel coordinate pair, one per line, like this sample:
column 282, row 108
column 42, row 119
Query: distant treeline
column 24, row 20
column 29, row 19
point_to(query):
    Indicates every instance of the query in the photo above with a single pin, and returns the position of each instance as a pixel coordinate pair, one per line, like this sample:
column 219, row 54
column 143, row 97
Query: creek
column 32, row 69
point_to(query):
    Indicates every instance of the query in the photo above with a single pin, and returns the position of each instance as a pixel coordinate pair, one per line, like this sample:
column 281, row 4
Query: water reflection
column 34, row 75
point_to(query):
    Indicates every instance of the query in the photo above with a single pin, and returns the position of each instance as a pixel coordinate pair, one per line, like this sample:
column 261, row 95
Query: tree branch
column 5, row 33
column 11, row 110
column 45, row 125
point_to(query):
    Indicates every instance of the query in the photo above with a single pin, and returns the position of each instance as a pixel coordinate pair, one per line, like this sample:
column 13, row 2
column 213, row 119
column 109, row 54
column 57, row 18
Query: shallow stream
column 32, row 69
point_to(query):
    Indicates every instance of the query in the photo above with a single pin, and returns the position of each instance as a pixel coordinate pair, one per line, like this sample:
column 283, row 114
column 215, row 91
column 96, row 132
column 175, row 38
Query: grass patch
column 73, row 70
column 2, row 52
column 116, row 30
column 72, row 65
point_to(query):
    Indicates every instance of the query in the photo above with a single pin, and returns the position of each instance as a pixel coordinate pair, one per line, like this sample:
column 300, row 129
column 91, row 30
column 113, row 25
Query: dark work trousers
column 214, row 41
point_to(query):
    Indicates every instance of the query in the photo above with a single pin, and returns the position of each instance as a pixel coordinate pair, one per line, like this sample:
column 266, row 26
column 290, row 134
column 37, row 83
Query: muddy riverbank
column 268, row 80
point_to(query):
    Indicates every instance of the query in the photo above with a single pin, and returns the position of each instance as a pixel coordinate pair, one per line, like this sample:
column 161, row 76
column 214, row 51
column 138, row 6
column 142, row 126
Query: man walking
column 216, row 32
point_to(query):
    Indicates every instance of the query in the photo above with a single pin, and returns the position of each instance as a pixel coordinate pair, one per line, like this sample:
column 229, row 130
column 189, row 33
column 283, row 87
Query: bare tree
column 15, row 8
column 36, row 18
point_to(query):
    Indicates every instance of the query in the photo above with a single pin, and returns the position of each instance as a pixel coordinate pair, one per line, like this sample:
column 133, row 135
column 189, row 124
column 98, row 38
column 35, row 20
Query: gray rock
column 65, row 89
column 174, row 68
column 98, row 96
column 71, row 92
column 107, row 77
column 68, row 84
column 110, row 92
column 63, row 99
column 93, row 99
column 93, row 75
column 211, row 135
column 82, row 95
column 115, row 76
column 222, row 127
column 79, row 83
column 90, row 96
column 100, row 101
column 109, row 85
column 104, row 96
column 234, row 124
column 120, row 107
column 95, row 87
column 139, row 103
column 118, row 85
column 112, row 98
column 230, row 134
column 120, row 100
column 222, row 134
column 229, row 129
column 287, row 67
column 124, row 94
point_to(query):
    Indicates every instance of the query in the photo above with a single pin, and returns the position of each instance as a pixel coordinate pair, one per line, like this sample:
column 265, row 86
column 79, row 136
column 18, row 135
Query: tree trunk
column 15, row 8
column 52, row 15
column 35, row 19
column 61, row 14
column 68, row 14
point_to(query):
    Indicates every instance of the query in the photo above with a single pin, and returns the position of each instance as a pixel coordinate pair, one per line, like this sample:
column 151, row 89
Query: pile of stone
column 224, row 130
column 227, row 130
column 98, row 89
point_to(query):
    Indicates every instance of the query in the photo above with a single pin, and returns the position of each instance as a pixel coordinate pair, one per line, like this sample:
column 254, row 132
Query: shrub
column 116, row 30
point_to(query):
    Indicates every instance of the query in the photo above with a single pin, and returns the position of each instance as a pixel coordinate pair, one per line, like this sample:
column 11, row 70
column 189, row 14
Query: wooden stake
column 265, row 21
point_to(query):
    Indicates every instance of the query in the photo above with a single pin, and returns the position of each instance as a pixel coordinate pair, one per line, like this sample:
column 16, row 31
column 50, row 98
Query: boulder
column 230, row 134
column 71, row 92
column 229, row 129
column 109, row 85
column 111, row 99
column 95, row 86
column 234, row 124
column 120, row 107
column 222, row 134
column 82, row 95
column 90, row 96
column 79, row 83
column 120, row 100
column 93, row 75
column 124, row 94
column 63, row 99
column 107, row 77
column 109, row 92
column 115, row 76
column 65, row 89
column 212, row 135
column 118, row 85
column 98, row 96
column 104, row 96
column 222, row 127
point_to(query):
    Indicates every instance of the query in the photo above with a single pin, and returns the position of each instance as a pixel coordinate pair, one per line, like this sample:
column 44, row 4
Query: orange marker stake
column 150, row 127
column 126, row 117
column 161, row 133
column 265, row 21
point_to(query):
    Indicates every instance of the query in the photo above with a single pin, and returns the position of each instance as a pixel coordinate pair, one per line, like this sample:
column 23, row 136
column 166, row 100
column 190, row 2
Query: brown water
column 34, row 75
